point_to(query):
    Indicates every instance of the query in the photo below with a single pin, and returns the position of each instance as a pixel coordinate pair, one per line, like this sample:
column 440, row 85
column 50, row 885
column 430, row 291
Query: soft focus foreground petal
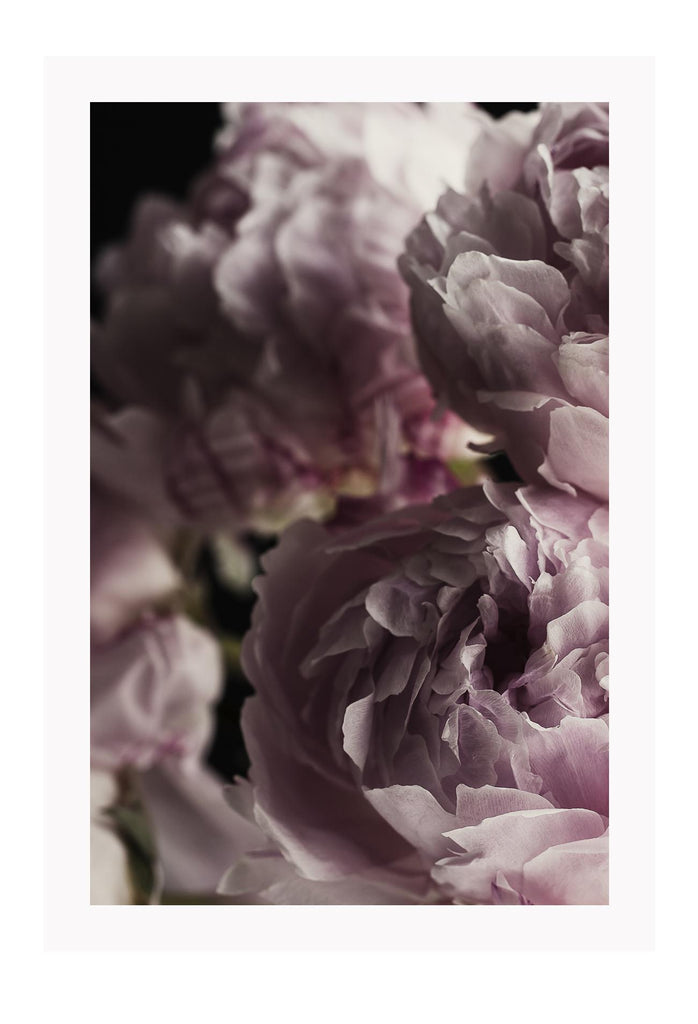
column 197, row 835
column 110, row 881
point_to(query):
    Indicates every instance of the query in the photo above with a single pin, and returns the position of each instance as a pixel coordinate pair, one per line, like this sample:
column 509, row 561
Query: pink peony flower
column 510, row 294
column 155, row 678
column 257, row 346
column 430, row 716
column 152, row 693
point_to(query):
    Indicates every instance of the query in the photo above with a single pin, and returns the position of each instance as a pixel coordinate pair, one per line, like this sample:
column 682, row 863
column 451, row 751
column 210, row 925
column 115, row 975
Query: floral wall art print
column 349, row 504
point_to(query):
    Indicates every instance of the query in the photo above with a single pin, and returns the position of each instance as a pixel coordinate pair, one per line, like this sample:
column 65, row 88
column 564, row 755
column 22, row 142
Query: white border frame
column 71, row 923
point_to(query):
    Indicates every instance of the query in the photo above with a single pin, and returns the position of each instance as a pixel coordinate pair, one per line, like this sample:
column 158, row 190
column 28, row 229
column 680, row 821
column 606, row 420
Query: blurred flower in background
column 155, row 677
column 256, row 350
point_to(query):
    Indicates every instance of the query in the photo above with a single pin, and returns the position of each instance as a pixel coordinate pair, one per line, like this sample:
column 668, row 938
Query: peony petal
column 415, row 814
column 578, row 450
column 505, row 844
column 572, row 761
column 574, row 873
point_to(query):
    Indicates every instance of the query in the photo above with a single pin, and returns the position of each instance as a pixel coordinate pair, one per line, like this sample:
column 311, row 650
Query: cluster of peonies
column 256, row 353
column 430, row 665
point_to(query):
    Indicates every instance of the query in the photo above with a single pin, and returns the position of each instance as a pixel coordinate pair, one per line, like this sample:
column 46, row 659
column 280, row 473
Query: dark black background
column 161, row 147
